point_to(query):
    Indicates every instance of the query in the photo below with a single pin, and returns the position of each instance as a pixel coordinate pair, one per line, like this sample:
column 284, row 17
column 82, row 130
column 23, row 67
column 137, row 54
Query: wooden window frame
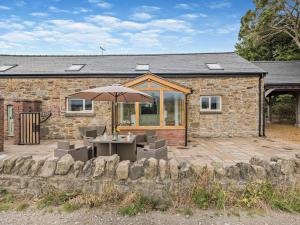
column 166, row 86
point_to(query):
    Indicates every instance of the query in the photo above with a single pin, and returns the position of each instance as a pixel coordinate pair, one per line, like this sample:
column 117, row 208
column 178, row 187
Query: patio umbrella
column 113, row 93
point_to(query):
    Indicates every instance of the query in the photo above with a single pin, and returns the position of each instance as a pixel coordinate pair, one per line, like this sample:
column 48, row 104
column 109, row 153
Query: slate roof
column 160, row 64
column 280, row 72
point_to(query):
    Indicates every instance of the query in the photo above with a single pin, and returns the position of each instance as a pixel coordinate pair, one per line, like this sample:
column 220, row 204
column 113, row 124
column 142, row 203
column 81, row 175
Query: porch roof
column 181, row 65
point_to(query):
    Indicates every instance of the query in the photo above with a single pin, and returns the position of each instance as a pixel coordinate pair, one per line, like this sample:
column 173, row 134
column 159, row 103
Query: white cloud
column 39, row 14
column 54, row 9
column 101, row 3
column 3, row 7
column 141, row 16
column 148, row 8
column 19, row 3
column 186, row 6
column 192, row 16
column 81, row 10
column 219, row 5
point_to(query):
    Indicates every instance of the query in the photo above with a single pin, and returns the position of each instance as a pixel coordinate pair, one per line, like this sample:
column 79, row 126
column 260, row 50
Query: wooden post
column 297, row 110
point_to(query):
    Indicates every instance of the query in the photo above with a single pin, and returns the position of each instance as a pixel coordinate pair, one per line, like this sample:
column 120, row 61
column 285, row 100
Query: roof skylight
column 75, row 67
column 6, row 67
column 142, row 67
column 214, row 66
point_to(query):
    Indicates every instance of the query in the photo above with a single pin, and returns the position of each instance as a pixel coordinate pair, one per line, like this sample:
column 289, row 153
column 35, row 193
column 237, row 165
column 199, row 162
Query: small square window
column 142, row 67
column 4, row 68
column 80, row 105
column 75, row 67
column 214, row 66
column 210, row 103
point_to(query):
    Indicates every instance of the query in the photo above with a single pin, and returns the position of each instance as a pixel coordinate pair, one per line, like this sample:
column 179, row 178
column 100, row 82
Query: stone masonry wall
column 239, row 116
column 26, row 175
column 1, row 124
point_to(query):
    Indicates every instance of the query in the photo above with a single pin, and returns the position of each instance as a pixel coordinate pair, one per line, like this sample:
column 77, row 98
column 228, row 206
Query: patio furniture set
column 128, row 147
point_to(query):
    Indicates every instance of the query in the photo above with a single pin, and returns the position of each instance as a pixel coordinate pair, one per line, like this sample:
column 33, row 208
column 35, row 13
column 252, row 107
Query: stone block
column 64, row 165
column 137, row 169
column 123, row 170
column 111, row 164
column 9, row 164
column 174, row 169
column 164, row 171
column 36, row 166
column 151, row 166
column 78, row 166
column 99, row 163
column 48, row 168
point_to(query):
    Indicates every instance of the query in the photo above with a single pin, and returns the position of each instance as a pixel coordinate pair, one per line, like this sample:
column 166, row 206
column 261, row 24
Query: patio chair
column 127, row 151
column 91, row 132
column 145, row 139
column 80, row 153
column 157, row 150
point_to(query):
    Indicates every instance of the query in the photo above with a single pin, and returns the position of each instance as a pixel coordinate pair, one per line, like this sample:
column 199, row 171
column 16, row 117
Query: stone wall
column 25, row 175
column 239, row 116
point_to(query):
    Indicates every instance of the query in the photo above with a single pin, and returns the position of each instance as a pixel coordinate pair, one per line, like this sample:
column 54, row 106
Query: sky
column 119, row 26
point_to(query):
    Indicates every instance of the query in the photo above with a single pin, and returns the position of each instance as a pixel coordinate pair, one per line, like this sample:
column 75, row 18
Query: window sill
column 210, row 112
column 79, row 114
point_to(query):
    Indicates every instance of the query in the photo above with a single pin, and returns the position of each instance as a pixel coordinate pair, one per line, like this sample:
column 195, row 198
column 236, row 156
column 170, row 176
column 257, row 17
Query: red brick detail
column 1, row 125
column 20, row 106
column 173, row 136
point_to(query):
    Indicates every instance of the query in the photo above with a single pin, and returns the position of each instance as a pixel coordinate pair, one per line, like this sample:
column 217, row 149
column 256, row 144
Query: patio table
column 122, row 140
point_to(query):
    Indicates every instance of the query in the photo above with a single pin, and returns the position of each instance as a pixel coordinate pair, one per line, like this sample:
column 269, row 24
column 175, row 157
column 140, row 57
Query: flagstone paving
column 207, row 150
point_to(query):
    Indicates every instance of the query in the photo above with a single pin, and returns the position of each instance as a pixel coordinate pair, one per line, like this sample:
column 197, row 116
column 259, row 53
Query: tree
column 271, row 31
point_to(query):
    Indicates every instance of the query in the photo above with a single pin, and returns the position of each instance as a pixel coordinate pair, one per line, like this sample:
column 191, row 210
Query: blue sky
column 121, row 27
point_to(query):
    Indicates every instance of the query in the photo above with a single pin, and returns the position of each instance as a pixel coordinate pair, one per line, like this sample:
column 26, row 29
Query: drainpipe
column 264, row 115
column 186, row 119
column 260, row 108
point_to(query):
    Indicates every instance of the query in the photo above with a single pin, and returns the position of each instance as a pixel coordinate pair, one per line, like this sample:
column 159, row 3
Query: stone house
column 196, row 95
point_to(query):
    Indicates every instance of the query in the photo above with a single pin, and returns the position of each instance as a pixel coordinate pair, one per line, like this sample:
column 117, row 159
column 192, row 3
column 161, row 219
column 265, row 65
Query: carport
column 283, row 78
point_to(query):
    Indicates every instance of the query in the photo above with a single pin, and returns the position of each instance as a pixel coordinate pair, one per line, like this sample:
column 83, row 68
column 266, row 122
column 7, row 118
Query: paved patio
column 223, row 150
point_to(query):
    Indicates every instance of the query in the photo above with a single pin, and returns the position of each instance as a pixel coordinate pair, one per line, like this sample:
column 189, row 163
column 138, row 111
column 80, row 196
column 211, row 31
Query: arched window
column 166, row 111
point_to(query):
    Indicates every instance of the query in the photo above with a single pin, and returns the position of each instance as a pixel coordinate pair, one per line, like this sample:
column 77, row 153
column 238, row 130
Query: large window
column 166, row 110
column 173, row 108
column 210, row 103
column 79, row 105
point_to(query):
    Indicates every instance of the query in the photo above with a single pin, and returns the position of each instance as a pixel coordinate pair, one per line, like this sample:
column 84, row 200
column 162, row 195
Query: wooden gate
column 29, row 128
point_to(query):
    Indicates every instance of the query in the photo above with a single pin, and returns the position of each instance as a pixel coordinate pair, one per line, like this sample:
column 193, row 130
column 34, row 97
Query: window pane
column 173, row 108
column 155, row 85
column 88, row 105
column 204, row 102
column 149, row 112
column 126, row 114
column 142, row 85
column 215, row 103
column 75, row 105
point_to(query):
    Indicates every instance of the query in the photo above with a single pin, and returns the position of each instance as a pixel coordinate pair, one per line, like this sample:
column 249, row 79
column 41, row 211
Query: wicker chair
column 157, row 150
column 145, row 139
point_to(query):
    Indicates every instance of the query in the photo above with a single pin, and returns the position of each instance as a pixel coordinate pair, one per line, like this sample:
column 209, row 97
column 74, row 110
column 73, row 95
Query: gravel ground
column 85, row 216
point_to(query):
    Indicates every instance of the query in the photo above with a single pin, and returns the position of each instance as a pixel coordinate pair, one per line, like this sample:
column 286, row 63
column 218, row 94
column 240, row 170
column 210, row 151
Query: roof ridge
column 154, row 54
column 281, row 61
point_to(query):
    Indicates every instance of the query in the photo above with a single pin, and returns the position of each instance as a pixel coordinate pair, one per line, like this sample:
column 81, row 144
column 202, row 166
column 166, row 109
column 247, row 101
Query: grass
column 137, row 203
column 70, row 207
column 185, row 211
column 22, row 206
column 55, row 198
column 6, row 200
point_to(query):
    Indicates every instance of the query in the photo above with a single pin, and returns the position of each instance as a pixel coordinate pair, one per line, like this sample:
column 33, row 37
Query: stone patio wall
column 239, row 116
column 26, row 175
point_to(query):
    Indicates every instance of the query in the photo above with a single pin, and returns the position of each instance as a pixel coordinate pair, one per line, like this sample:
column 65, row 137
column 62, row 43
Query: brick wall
column 1, row 125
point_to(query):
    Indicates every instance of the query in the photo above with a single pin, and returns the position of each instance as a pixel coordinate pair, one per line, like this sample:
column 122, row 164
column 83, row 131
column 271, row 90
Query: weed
column 23, row 206
column 6, row 200
column 54, row 198
column 139, row 204
column 69, row 207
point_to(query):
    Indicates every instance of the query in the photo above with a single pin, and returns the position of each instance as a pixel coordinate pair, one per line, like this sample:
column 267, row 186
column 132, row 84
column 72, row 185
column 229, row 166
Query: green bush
column 23, row 206
column 284, row 107
column 70, row 207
